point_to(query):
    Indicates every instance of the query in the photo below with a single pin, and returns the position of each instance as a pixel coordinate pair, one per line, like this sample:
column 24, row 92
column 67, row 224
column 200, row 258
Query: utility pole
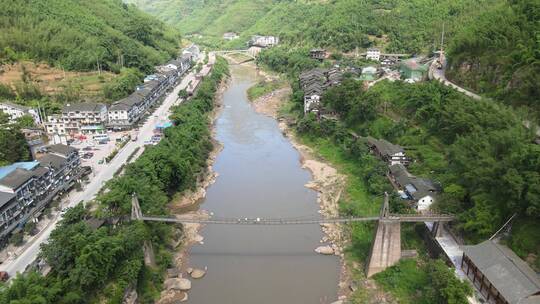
column 442, row 45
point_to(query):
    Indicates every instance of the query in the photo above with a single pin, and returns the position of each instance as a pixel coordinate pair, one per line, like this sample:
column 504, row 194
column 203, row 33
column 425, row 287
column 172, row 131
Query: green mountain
column 209, row 17
column 396, row 25
column 498, row 53
column 77, row 35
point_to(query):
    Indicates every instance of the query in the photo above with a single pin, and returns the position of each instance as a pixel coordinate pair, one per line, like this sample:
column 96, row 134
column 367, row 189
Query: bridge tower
column 386, row 246
column 148, row 249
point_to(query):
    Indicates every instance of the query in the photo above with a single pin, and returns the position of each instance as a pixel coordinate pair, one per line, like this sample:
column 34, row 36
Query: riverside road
column 19, row 263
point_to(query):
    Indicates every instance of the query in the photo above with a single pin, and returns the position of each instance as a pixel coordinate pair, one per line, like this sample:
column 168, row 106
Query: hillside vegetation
column 396, row 25
column 498, row 53
column 84, row 35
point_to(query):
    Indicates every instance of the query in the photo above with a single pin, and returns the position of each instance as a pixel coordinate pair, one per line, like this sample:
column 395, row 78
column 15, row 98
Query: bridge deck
column 284, row 221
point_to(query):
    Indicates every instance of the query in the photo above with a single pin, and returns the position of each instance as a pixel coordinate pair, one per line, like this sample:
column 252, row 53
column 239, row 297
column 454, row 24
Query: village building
column 16, row 111
column 34, row 139
column 124, row 113
column 500, row 275
column 413, row 70
column 373, row 54
column 230, row 36
column 387, row 151
column 420, row 190
column 27, row 187
column 78, row 119
column 369, row 74
column 263, row 41
column 314, row 82
column 192, row 51
column 319, row 54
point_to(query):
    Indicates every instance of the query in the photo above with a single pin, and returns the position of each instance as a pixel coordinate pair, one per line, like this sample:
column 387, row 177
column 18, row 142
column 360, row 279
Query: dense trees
column 13, row 146
column 410, row 26
column 123, row 85
column 88, row 263
column 478, row 150
column 84, row 35
column 497, row 53
column 430, row 282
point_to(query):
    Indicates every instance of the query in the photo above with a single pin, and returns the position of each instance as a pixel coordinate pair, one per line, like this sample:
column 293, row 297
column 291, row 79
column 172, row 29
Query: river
column 259, row 175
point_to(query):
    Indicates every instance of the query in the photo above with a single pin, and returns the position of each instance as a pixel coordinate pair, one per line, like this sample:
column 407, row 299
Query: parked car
column 88, row 148
column 88, row 155
column 85, row 170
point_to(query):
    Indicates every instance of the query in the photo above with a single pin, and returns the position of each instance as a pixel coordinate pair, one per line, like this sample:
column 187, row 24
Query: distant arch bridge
column 251, row 53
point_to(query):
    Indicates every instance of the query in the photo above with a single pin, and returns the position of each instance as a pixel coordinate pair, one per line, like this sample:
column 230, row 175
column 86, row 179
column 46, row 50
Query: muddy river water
column 260, row 175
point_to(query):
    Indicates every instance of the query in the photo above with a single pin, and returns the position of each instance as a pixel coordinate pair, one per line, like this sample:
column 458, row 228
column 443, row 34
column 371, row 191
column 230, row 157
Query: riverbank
column 186, row 204
column 326, row 181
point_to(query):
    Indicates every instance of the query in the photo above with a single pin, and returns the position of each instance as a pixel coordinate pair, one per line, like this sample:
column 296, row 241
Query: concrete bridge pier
column 386, row 247
column 436, row 230
column 148, row 250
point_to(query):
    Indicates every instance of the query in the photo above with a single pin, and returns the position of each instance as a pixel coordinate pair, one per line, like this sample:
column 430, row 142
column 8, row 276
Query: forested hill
column 498, row 53
column 396, row 25
column 77, row 35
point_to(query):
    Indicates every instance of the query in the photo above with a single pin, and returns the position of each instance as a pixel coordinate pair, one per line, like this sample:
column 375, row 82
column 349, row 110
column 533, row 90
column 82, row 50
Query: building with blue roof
column 5, row 170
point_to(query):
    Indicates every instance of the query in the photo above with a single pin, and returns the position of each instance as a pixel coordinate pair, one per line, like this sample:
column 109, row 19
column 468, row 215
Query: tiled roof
column 509, row 274
column 5, row 197
column 61, row 149
column 16, row 178
column 52, row 160
column 83, row 107
column 10, row 168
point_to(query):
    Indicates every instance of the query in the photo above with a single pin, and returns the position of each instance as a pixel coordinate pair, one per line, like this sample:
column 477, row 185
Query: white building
column 373, row 54
column 193, row 51
column 78, row 119
column 420, row 190
column 55, row 125
column 230, row 36
column 312, row 103
column 16, row 111
column 263, row 41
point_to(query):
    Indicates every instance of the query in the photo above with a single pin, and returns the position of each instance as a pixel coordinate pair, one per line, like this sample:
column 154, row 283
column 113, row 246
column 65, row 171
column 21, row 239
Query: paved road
column 438, row 74
column 19, row 263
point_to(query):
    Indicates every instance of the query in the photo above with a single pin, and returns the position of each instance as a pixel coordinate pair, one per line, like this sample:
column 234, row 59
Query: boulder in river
column 177, row 284
column 173, row 297
column 189, row 270
column 327, row 250
column 198, row 273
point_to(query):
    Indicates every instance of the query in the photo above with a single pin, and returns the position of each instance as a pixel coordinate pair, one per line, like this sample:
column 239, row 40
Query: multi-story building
column 78, row 119
column 16, row 111
column 124, row 113
column 27, row 187
column 373, row 54
column 263, row 41
column 192, row 51
column 319, row 54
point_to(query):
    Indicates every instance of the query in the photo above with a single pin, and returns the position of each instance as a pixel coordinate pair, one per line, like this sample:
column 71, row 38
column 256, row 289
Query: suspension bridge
column 385, row 249
column 136, row 214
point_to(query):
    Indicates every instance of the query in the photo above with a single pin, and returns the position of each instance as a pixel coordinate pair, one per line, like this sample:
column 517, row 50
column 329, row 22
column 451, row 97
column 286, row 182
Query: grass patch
column 405, row 281
column 264, row 87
